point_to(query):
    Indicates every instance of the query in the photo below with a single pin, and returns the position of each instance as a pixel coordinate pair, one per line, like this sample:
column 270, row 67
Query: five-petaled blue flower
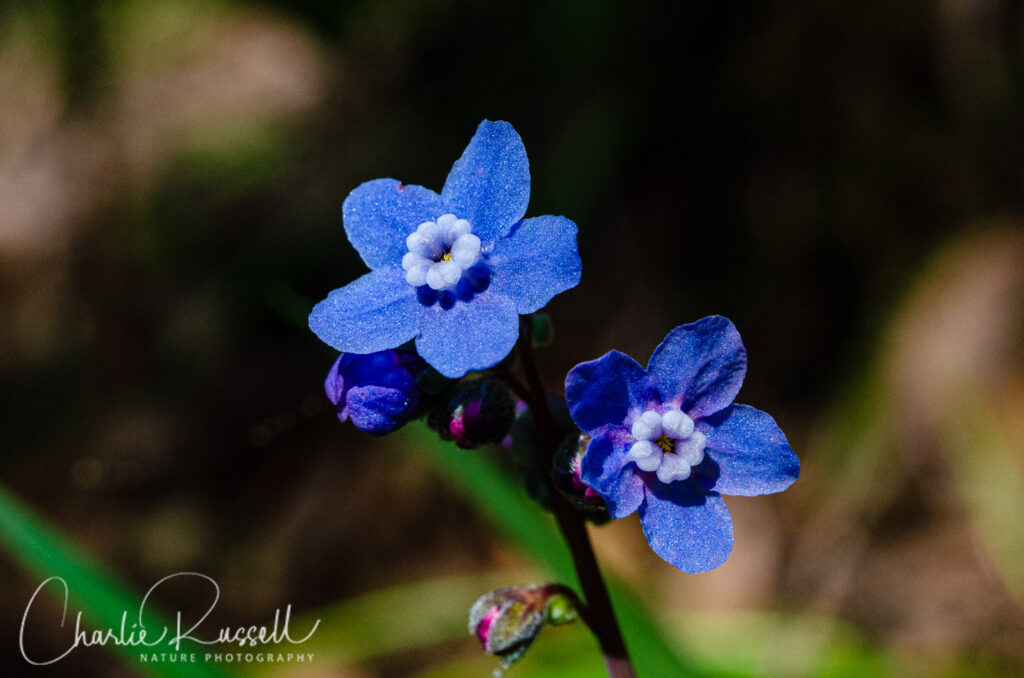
column 668, row 441
column 452, row 271
column 377, row 392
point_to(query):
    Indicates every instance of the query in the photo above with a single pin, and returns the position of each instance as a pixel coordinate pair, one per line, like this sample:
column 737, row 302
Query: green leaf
column 44, row 552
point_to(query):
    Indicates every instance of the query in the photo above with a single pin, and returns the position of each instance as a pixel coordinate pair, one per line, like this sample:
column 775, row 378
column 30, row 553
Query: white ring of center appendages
column 440, row 252
column 667, row 444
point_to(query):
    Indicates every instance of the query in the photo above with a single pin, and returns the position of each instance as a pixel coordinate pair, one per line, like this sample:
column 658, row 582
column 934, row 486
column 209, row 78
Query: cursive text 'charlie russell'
column 136, row 633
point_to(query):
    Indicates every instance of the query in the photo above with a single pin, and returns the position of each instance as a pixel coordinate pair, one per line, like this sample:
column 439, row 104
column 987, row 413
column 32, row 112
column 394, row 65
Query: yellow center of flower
column 447, row 256
column 665, row 443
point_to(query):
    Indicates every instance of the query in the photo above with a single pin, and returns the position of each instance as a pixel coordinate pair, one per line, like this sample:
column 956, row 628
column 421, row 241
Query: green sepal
column 543, row 330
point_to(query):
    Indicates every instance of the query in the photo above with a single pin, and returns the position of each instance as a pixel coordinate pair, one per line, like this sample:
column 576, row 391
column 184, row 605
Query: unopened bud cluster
column 508, row 619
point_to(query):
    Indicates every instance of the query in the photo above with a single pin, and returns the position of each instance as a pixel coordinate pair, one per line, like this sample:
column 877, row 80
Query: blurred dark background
column 844, row 181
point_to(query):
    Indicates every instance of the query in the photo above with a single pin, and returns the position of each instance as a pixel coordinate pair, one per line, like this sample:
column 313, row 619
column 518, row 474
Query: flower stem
column 598, row 613
column 518, row 387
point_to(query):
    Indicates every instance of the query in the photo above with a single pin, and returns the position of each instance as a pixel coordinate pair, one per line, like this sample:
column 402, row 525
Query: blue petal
column 601, row 392
column 372, row 313
column 471, row 335
column 334, row 384
column 379, row 409
column 379, row 214
column 490, row 184
column 372, row 368
column 700, row 366
column 689, row 528
column 606, row 471
column 536, row 261
column 751, row 452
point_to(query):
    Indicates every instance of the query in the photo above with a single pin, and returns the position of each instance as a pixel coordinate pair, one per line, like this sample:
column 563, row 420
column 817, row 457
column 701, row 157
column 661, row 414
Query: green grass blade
column 44, row 552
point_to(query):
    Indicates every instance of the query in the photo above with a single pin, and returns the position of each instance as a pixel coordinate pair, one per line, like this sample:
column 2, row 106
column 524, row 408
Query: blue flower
column 452, row 271
column 668, row 441
column 376, row 391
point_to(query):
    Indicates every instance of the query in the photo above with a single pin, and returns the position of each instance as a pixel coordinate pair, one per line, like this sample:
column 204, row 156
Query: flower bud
column 376, row 391
column 568, row 460
column 507, row 620
column 478, row 412
column 525, row 443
